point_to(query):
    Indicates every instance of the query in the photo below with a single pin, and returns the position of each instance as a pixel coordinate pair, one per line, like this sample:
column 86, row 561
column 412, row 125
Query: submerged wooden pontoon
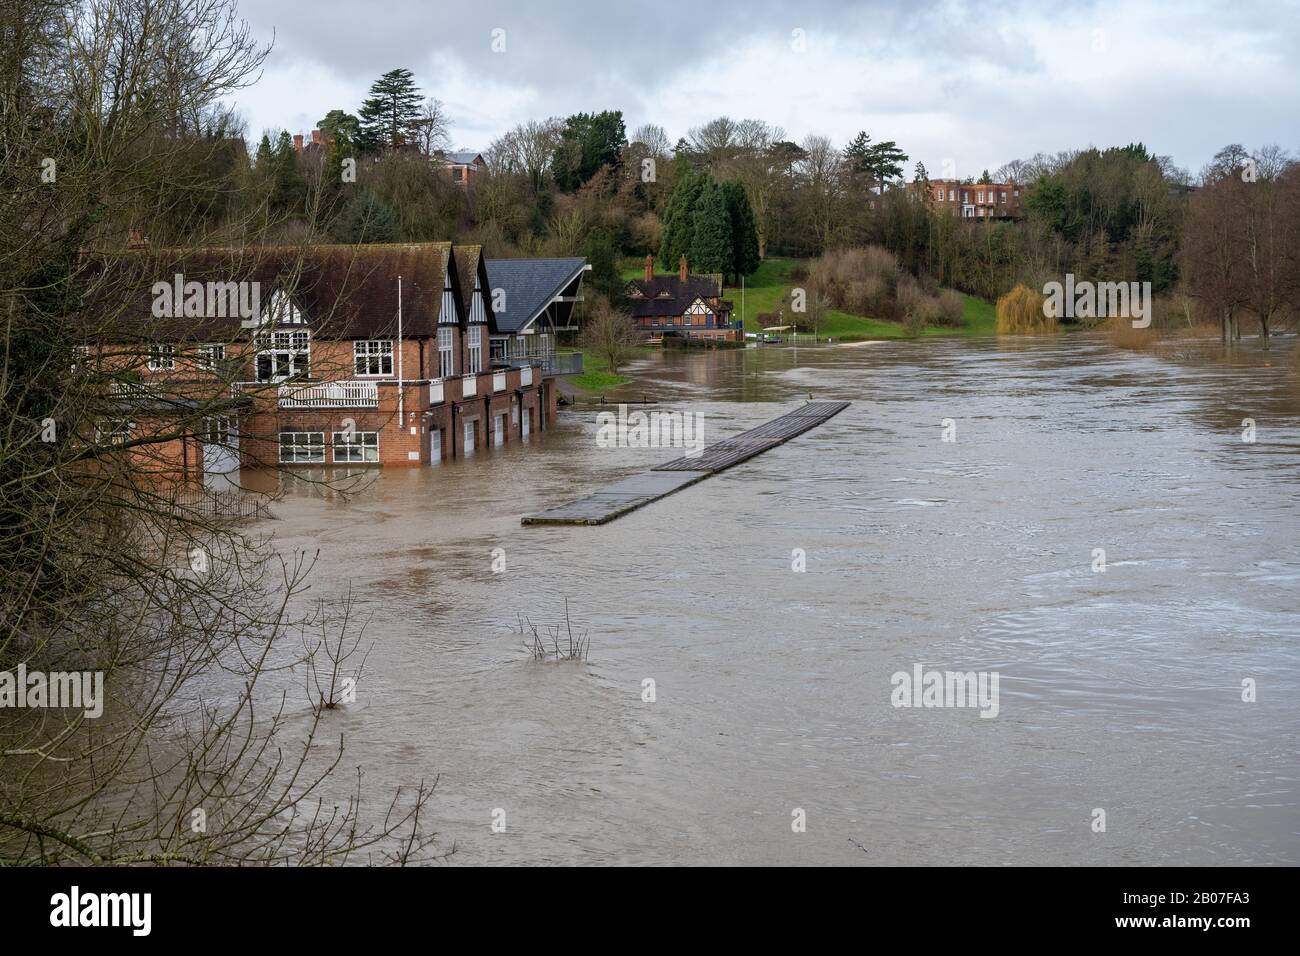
column 639, row 490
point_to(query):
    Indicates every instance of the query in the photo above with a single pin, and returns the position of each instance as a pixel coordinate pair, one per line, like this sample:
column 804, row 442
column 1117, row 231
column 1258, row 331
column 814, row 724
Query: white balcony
column 469, row 386
column 498, row 381
column 330, row 395
column 435, row 392
column 526, row 375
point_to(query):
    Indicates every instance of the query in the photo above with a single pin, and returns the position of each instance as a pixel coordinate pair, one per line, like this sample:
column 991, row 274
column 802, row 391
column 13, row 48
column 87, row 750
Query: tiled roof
column 344, row 291
column 669, row 295
column 467, row 262
column 529, row 286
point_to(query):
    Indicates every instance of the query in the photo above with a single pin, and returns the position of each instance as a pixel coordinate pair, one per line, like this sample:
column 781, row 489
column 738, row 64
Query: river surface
column 1120, row 690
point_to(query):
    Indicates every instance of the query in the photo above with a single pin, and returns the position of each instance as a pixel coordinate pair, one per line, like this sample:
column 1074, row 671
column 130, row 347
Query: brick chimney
column 649, row 268
column 297, row 142
column 681, row 268
column 135, row 239
column 315, row 138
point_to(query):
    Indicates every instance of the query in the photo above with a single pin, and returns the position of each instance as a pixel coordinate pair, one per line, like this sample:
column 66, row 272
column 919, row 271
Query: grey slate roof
column 462, row 158
column 529, row 286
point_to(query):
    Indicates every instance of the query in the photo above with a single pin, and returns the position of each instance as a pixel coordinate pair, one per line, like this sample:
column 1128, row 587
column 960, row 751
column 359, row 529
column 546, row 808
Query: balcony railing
column 525, row 376
column 469, row 386
column 435, row 392
column 563, row 363
column 330, row 395
column 498, row 381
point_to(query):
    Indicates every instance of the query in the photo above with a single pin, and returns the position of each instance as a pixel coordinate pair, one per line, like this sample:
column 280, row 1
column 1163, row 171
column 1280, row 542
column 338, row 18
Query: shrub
column 950, row 310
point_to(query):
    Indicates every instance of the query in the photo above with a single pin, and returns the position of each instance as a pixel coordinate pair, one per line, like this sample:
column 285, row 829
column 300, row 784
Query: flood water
column 1119, row 689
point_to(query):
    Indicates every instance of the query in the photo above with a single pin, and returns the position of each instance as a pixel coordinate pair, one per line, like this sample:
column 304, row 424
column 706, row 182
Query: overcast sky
column 974, row 83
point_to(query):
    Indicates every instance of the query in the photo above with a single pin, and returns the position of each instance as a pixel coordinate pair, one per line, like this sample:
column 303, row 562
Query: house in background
column 682, row 305
column 973, row 200
column 463, row 166
column 533, row 302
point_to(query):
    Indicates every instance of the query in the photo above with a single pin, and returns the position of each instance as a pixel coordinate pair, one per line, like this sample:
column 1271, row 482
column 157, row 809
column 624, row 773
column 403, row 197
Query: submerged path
column 639, row 490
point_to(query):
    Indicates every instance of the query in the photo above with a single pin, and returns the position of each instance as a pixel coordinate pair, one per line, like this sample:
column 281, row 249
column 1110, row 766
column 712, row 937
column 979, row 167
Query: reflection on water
column 1119, row 690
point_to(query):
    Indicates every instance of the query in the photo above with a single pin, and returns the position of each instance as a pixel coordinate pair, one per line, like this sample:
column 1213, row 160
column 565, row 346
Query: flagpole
column 401, row 383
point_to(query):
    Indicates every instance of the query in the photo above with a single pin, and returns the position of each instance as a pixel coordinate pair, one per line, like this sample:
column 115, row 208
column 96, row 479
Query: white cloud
column 983, row 83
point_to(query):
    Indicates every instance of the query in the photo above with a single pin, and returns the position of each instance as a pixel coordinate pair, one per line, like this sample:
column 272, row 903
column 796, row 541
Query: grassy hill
column 764, row 291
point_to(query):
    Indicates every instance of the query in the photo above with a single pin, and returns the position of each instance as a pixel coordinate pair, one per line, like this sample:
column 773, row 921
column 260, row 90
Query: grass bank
column 764, row 291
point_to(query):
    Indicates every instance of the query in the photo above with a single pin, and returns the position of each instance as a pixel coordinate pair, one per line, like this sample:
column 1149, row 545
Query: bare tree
column 432, row 127
column 527, row 150
column 608, row 333
column 112, row 563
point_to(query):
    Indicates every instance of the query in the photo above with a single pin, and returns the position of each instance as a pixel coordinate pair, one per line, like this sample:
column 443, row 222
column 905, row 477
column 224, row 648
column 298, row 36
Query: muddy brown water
column 1119, row 690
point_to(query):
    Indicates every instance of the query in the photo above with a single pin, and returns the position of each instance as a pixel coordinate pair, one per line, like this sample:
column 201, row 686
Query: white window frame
column 475, row 350
column 359, row 448
column 940, row 195
column 446, row 352
column 293, row 348
column 209, row 355
column 373, row 358
column 301, row 445
column 216, row 430
column 162, row 358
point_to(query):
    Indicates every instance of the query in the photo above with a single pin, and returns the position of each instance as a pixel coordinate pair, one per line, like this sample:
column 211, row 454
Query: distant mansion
column 973, row 200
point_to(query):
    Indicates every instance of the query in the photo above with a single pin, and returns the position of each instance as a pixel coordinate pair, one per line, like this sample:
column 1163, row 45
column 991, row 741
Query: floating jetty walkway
column 639, row 490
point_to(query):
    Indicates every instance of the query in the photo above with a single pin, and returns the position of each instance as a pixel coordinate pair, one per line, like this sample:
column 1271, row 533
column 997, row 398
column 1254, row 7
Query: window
column 302, row 447
column 284, row 355
column 498, row 350
column 115, row 432
column 209, row 356
column 356, row 447
column 374, row 357
column 940, row 195
column 1002, row 197
column 446, row 358
column 980, row 196
column 162, row 358
column 216, row 430
column 475, row 349
column 964, row 196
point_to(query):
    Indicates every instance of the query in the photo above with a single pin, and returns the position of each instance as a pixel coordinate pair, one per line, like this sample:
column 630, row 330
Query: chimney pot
column 649, row 268
column 297, row 142
column 315, row 137
column 681, row 268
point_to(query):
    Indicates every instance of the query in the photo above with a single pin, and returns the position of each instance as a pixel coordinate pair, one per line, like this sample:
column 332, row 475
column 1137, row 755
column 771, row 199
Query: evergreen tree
column 587, row 142
column 744, row 234
column 601, row 252
column 679, row 221
column 985, row 178
column 288, row 187
column 711, row 248
column 389, row 115
column 367, row 219
column 922, row 175
column 262, row 159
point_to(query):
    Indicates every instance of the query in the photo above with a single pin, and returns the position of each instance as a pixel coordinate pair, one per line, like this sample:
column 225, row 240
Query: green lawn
column 595, row 375
column 766, row 288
